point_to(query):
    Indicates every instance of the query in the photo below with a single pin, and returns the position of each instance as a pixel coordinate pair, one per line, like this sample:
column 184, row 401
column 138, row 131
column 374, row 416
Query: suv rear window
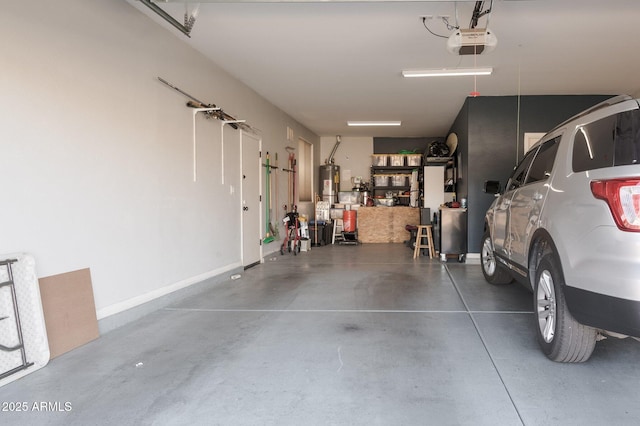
column 520, row 173
column 543, row 163
column 611, row 141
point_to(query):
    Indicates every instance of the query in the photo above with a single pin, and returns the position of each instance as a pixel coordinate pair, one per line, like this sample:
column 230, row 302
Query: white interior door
column 251, row 206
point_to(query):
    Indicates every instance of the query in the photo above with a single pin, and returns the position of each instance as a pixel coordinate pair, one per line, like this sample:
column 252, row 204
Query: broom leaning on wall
column 269, row 227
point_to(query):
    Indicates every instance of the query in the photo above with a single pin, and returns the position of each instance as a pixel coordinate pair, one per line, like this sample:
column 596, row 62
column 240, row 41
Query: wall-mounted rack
column 211, row 111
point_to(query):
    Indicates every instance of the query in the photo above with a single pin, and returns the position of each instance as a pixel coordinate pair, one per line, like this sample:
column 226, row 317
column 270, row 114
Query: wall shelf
column 391, row 172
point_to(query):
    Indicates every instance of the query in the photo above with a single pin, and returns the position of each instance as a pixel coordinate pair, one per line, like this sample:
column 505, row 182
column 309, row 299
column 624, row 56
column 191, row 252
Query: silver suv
column 568, row 227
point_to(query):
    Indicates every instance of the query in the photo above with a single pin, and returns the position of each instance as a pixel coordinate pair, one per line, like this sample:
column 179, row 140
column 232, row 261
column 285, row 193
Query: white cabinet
column 433, row 187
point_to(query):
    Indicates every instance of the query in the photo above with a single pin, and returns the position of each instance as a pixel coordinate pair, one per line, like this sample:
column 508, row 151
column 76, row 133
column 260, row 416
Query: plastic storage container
column 399, row 180
column 414, row 159
column 349, row 197
column 379, row 160
column 396, row 160
column 387, row 202
column 381, row 180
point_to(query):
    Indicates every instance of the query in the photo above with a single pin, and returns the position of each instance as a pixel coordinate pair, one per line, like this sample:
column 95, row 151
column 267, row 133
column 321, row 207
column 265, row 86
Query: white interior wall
column 96, row 153
column 353, row 156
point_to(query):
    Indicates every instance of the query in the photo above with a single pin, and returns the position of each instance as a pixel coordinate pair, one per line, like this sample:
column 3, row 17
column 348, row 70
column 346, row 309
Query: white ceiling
column 328, row 62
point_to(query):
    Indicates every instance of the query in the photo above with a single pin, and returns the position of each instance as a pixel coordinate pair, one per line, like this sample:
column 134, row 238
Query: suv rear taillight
column 623, row 198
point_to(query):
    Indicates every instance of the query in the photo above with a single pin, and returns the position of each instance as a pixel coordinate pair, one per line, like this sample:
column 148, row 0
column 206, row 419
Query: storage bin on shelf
column 387, row 202
column 379, row 160
column 399, row 180
column 381, row 180
column 396, row 160
column 414, row 159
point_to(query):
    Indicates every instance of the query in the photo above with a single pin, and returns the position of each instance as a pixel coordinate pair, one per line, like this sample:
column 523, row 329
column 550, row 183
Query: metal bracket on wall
column 195, row 149
column 222, row 144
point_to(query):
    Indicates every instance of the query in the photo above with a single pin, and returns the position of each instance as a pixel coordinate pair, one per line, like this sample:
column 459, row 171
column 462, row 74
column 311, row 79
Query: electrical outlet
column 425, row 17
column 443, row 17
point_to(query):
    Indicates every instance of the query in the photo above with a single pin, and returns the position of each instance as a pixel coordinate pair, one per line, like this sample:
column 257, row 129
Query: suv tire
column 493, row 272
column 561, row 337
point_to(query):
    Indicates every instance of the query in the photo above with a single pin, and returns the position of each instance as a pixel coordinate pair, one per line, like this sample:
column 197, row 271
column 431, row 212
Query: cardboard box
column 69, row 310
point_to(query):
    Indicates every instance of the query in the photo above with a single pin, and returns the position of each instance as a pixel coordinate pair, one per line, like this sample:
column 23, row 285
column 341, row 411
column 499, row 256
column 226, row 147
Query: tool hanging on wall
column 210, row 110
column 276, row 230
column 291, row 223
column 269, row 231
column 293, row 180
column 220, row 114
column 291, row 170
column 315, row 212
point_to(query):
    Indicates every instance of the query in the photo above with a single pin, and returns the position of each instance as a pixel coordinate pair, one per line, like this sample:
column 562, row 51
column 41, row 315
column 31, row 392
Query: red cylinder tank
column 349, row 221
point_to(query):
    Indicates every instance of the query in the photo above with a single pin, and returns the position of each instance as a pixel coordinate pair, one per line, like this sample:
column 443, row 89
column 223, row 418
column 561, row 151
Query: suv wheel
column 561, row 337
column 493, row 272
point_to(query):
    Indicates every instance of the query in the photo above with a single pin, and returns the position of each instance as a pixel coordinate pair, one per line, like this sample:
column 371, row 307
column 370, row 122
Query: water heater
column 330, row 177
column 330, row 182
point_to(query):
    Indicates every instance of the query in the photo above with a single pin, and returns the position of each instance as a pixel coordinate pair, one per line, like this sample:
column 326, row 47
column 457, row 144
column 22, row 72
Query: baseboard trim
column 119, row 314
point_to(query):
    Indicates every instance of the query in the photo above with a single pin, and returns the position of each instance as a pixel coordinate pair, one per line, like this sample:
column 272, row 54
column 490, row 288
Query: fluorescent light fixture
column 374, row 123
column 446, row 72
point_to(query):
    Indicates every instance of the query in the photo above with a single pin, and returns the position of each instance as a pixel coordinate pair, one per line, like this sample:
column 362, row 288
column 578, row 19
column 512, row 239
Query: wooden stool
column 424, row 231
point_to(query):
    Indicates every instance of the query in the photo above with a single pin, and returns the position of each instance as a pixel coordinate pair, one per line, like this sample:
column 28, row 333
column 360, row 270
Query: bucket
column 349, row 220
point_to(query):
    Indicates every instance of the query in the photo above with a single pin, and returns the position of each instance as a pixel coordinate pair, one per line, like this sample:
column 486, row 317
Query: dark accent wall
column 490, row 144
column 393, row 145
column 461, row 154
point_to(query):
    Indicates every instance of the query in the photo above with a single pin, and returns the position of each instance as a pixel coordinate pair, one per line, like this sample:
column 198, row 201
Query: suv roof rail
column 611, row 101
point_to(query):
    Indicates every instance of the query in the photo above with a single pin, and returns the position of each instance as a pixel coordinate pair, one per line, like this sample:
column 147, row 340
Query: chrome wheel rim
column 546, row 306
column 488, row 260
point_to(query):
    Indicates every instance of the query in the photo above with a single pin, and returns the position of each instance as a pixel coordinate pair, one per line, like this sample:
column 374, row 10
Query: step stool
column 424, row 231
column 337, row 231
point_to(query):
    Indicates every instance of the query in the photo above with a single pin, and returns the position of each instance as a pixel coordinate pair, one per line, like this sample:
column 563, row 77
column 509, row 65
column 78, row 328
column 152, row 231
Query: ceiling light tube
column 374, row 123
column 447, row 72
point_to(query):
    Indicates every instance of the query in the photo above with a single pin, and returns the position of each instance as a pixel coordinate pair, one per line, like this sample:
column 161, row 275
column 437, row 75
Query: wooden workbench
column 386, row 224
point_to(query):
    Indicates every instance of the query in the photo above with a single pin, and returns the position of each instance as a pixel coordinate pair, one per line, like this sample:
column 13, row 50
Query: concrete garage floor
column 340, row 335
